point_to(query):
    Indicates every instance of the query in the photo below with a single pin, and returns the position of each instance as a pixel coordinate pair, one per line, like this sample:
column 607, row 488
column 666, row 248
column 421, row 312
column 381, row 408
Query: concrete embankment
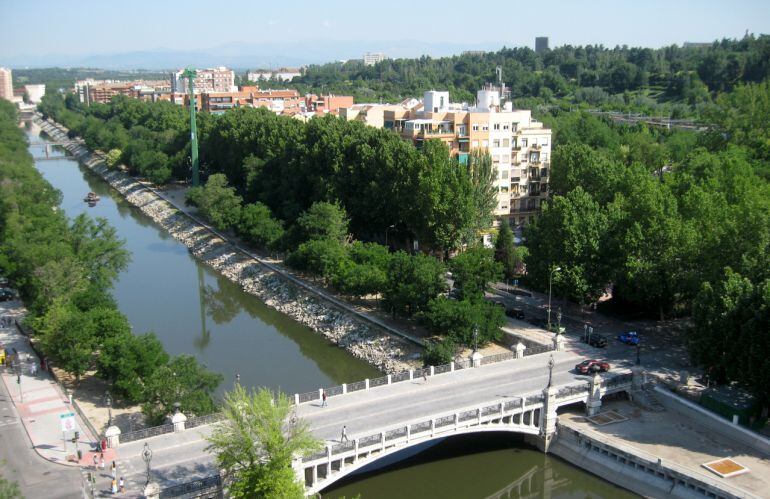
column 358, row 334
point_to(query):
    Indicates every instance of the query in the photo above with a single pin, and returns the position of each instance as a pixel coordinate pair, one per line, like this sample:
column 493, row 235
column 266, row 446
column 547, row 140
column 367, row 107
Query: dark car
column 6, row 294
column 629, row 338
column 515, row 313
column 538, row 323
column 596, row 340
column 592, row 366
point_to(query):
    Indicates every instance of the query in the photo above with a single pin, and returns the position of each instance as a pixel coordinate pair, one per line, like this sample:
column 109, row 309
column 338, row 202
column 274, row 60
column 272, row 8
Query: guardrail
column 210, row 486
column 153, row 431
column 301, row 398
column 202, row 420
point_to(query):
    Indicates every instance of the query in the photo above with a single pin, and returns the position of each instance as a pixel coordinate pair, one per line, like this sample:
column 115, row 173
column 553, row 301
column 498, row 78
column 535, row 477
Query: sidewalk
column 40, row 401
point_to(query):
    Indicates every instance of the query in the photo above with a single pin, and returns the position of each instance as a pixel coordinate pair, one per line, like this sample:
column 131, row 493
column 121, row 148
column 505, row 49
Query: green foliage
column 412, row 282
column 258, row 227
column 440, row 352
column 217, row 202
column 127, row 361
column 113, row 157
column 356, row 279
column 9, row 490
column 729, row 336
column 323, row 221
column 458, row 319
column 182, row 380
column 473, row 269
column 319, row 256
column 510, row 256
column 256, row 443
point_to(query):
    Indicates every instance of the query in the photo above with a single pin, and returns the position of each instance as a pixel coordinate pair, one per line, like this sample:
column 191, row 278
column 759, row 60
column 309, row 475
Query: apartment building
column 34, row 93
column 520, row 146
column 283, row 74
column 372, row 58
column 218, row 79
column 90, row 91
column 327, row 103
column 6, row 84
column 287, row 101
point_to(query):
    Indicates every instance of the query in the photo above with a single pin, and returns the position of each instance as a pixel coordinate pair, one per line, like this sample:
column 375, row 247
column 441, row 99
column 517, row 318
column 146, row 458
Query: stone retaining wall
column 384, row 351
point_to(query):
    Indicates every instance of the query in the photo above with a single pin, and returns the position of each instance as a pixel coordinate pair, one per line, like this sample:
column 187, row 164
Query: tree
column 128, row 361
column 356, row 279
column 256, row 442
column 182, row 380
column 319, row 256
column 482, row 177
column 98, row 249
column 412, row 282
column 324, row 221
column 217, row 202
column 507, row 253
column 258, row 226
column 67, row 337
column 113, row 157
column 473, row 269
column 458, row 319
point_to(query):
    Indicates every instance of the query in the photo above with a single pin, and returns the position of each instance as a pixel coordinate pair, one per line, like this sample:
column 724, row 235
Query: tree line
column 64, row 271
column 621, row 77
column 672, row 223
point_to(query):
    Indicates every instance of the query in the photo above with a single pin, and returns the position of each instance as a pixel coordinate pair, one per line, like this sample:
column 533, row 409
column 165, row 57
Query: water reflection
column 194, row 310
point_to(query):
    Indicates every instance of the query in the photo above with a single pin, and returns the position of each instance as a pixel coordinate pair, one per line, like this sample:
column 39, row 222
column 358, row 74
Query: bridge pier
column 548, row 417
column 594, row 402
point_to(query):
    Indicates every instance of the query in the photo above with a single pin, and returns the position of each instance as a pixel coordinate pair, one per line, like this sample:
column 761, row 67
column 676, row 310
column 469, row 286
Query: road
column 21, row 464
column 178, row 458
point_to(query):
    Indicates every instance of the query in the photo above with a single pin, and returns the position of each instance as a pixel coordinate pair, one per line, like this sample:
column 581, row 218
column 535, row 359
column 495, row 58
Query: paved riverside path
column 178, row 458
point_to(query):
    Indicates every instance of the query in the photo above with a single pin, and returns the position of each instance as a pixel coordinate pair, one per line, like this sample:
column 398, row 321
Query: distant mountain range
column 248, row 55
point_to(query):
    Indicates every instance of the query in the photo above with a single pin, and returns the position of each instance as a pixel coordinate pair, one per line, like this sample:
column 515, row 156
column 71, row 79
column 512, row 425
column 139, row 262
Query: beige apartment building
column 520, row 146
column 219, row 79
column 6, row 84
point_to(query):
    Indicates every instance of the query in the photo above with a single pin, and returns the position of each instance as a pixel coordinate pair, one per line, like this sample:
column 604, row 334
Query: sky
column 38, row 27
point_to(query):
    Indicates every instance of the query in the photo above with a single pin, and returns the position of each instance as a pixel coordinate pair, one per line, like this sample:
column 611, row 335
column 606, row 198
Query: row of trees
column 280, row 163
column 591, row 73
column 64, row 272
column 675, row 223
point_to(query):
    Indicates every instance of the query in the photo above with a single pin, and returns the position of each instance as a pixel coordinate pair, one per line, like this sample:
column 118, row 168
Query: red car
column 592, row 366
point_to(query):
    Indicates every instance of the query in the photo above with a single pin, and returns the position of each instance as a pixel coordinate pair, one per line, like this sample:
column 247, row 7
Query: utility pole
column 190, row 74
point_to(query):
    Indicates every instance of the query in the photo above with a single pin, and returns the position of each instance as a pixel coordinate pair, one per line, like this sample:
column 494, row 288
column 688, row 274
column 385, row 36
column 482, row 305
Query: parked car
column 6, row 294
column 596, row 340
column 629, row 338
column 538, row 323
column 515, row 313
column 592, row 366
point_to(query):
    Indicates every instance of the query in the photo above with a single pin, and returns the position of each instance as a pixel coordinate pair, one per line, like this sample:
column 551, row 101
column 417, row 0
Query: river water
column 195, row 311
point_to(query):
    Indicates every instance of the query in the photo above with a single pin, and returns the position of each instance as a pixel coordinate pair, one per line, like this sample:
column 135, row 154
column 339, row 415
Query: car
column 515, row 313
column 6, row 294
column 538, row 323
column 629, row 338
column 596, row 340
column 592, row 366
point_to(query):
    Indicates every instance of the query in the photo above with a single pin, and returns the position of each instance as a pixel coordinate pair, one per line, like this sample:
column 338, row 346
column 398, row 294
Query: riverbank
column 351, row 330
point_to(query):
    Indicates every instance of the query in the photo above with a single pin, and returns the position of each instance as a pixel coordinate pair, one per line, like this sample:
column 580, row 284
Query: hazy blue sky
column 36, row 27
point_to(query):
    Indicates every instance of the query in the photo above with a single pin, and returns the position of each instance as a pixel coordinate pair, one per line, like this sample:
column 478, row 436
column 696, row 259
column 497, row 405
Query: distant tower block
column 541, row 44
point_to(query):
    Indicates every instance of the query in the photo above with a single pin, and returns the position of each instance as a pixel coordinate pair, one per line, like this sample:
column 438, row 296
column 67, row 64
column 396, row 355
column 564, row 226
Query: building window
column 504, row 207
column 506, row 158
column 495, row 159
column 513, row 142
column 506, row 143
column 485, row 144
column 496, row 126
column 524, row 158
column 496, row 143
column 523, row 142
column 504, row 174
column 475, row 128
column 544, row 156
column 475, row 143
column 544, row 142
column 485, row 128
column 506, row 126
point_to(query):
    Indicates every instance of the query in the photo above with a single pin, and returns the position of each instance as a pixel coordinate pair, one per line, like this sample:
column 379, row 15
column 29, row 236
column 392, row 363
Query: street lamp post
column 386, row 234
column 108, row 400
column 551, row 363
column 475, row 338
column 550, row 282
column 147, row 457
column 558, row 322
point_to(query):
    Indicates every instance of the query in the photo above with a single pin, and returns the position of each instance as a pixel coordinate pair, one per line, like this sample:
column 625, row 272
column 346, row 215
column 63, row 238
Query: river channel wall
column 362, row 338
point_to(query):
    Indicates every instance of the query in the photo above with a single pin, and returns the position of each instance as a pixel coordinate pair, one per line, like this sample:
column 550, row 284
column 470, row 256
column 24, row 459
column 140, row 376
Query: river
column 193, row 310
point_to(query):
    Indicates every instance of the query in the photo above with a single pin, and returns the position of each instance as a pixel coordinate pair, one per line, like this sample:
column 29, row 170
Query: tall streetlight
column 147, row 457
column 386, row 234
column 475, row 338
column 550, row 285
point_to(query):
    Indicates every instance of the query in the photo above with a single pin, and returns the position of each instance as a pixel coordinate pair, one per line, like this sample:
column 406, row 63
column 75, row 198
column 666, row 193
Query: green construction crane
column 190, row 74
